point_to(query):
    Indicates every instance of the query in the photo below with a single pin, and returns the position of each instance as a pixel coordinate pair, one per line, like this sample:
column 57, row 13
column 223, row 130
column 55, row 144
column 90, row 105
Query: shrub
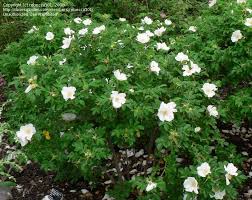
column 108, row 86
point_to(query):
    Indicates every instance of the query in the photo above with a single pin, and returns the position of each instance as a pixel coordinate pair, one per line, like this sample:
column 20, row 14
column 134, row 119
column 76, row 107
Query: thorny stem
column 150, row 149
column 152, row 140
column 127, row 168
column 115, row 158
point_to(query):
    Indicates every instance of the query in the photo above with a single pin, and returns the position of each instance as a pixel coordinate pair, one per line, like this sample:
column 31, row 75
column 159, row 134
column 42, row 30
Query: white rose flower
column 212, row 3
column 30, row 31
column 159, row 32
column 49, row 36
column 162, row 46
column 209, row 89
column 150, row 186
column 231, row 171
column 204, row 169
column 143, row 38
column 248, row 22
column 147, row 20
column 68, row 117
column 191, row 185
column 195, row 67
column 149, row 33
column 87, row 22
column 141, row 28
column 32, row 60
column 241, row 1
column 83, row 31
column 168, row 22
column 192, row 28
column 68, row 92
column 212, row 110
column 98, row 29
column 118, row 99
column 68, row 31
column 187, row 70
column 122, row 19
column 154, row 67
column 181, row 57
column 25, row 133
column 249, row 10
column 166, row 111
column 228, row 178
column 66, row 42
column 120, row 76
column 197, row 129
column 218, row 194
column 236, row 36
column 77, row 20
column 62, row 61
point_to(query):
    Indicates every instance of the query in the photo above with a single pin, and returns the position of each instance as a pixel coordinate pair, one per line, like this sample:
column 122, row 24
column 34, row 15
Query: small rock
column 244, row 153
column 225, row 131
column 247, row 195
column 139, row 153
column 111, row 170
column 130, row 153
column 144, row 162
column 127, row 162
column 46, row 198
column 133, row 171
column 84, row 191
column 107, row 182
column 72, row 191
column 136, row 164
column 122, row 152
column 107, row 197
column 243, row 130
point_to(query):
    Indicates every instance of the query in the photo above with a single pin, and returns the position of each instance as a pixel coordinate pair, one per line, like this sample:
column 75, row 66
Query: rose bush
column 88, row 87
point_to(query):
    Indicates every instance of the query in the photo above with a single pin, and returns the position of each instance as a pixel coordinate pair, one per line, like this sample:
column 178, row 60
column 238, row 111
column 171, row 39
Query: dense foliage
column 86, row 87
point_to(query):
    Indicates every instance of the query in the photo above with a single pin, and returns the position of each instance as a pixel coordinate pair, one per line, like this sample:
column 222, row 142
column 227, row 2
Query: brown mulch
column 35, row 184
